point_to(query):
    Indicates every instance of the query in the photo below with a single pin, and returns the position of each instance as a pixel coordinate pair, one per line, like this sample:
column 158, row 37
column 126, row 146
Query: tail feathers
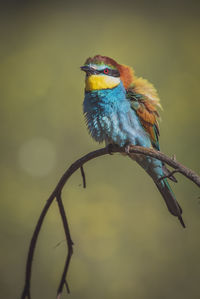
column 155, row 170
column 170, row 200
column 181, row 221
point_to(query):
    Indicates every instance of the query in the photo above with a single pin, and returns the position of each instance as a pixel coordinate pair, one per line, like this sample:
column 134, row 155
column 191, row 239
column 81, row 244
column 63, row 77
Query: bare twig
column 57, row 190
column 83, row 176
column 191, row 175
column 67, row 287
column 69, row 244
column 26, row 291
column 168, row 175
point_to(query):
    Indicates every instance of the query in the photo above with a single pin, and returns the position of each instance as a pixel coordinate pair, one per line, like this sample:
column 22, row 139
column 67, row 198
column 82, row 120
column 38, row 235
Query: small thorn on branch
column 174, row 157
column 83, row 176
column 169, row 175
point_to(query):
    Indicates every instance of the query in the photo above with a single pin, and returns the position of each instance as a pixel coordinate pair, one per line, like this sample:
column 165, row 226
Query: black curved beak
column 85, row 68
column 88, row 70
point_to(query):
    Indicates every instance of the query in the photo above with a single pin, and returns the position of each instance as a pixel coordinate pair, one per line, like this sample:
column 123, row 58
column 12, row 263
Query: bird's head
column 103, row 72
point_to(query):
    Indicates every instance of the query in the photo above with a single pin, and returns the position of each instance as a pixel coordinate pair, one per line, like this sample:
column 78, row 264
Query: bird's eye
column 106, row 71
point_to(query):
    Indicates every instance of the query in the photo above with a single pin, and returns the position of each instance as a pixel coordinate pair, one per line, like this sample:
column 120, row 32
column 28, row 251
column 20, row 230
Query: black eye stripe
column 113, row 73
column 109, row 72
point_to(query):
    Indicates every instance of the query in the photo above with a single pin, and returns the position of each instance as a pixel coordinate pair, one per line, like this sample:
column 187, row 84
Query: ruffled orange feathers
column 148, row 100
column 126, row 75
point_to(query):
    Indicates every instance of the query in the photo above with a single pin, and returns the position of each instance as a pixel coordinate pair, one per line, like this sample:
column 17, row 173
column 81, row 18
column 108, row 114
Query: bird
column 121, row 108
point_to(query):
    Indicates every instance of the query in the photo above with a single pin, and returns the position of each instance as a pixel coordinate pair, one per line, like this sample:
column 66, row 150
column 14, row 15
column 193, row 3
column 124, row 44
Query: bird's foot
column 127, row 149
column 110, row 148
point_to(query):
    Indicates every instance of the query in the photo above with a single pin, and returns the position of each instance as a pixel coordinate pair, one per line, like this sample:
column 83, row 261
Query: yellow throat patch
column 95, row 82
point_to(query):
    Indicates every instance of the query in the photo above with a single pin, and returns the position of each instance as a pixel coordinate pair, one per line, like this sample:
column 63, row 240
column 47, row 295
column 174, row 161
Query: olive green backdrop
column 127, row 245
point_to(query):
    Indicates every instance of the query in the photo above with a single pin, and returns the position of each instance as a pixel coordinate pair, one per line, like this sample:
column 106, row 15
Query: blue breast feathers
column 110, row 118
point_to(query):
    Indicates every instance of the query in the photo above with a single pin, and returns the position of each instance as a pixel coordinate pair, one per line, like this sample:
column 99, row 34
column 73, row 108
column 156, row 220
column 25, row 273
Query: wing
column 144, row 100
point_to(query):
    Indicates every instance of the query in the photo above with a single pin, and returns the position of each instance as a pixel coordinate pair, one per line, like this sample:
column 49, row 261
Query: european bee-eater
column 121, row 108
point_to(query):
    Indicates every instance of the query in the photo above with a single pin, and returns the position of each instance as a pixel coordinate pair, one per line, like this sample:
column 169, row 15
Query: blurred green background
column 126, row 242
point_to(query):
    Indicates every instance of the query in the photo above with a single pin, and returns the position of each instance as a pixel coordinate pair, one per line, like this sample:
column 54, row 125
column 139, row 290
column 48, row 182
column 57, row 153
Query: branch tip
column 168, row 175
column 83, row 176
column 67, row 287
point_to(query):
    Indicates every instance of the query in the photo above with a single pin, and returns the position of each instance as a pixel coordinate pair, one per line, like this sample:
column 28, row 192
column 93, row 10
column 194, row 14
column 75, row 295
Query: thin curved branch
column 76, row 165
column 69, row 244
column 191, row 175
